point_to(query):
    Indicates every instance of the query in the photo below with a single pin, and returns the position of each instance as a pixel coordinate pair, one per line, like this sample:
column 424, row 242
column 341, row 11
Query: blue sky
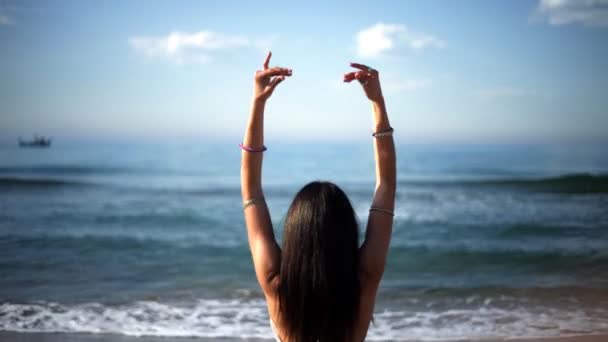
column 452, row 71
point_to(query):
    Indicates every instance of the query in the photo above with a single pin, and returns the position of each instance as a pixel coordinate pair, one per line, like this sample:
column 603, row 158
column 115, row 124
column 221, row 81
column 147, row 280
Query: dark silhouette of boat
column 36, row 142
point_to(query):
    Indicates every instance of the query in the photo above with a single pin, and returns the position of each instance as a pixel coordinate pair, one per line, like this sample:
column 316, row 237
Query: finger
column 349, row 76
column 273, row 84
column 360, row 66
column 276, row 71
column 362, row 76
column 267, row 60
column 371, row 71
column 275, row 81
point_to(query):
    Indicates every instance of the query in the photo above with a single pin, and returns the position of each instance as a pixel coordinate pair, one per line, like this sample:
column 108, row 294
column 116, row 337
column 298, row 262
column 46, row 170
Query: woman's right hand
column 369, row 79
column 267, row 79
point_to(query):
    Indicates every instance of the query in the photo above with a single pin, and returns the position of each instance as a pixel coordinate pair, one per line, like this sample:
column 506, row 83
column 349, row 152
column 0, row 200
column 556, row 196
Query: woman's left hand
column 267, row 79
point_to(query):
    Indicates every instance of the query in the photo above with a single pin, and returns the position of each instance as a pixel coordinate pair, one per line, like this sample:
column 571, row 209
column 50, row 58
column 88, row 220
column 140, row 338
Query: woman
column 320, row 286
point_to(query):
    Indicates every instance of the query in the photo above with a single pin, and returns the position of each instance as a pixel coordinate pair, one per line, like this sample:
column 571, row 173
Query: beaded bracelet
column 385, row 133
column 386, row 211
column 251, row 149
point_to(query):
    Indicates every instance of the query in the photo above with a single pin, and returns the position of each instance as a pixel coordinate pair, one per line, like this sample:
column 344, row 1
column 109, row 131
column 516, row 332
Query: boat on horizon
column 36, row 142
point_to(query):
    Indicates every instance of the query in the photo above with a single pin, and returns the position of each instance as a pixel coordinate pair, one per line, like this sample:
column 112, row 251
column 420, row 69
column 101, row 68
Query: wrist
column 258, row 101
column 379, row 109
column 380, row 116
column 381, row 126
column 378, row 102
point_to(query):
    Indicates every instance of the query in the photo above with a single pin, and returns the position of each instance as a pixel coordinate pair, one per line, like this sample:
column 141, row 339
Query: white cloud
column 585, row 12
column 380, row 38
column 406, row 85
column 197, row 47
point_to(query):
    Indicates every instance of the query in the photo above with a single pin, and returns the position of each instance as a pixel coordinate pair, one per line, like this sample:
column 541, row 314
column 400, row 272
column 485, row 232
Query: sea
column 148, row 239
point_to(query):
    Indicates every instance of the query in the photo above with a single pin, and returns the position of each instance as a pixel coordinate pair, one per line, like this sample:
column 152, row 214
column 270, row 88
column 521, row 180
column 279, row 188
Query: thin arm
column 262, row 243
column 379, row 226
column 264, row 249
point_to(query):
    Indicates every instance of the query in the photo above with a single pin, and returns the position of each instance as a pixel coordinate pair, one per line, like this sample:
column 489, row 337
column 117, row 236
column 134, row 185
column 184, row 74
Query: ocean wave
column 206, row 318
column 62, row 170
column 431, row 255
column 556, row 230
column 19, row 183
column 567, row 184
column 463, row 258
column 215, row 318
column 571, row 183
column 11, row 182
column 430, row 265
column 154, row 256
column 142, row 241
column 457, row 252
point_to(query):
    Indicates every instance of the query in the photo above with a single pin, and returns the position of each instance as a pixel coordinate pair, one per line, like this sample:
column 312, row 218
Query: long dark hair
column 319, row 282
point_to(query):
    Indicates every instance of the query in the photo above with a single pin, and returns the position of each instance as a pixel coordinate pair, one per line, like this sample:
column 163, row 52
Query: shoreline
column 107, row 337
column 571, row 338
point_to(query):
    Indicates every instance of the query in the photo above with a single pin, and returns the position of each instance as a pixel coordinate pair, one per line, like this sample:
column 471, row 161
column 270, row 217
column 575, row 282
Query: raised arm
column 264, row 248
column 374, row 250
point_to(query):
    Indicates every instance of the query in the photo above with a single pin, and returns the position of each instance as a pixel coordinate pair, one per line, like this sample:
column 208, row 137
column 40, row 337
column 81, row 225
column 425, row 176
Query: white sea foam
column 483, row 323
column 249, row 319
column 205, row 318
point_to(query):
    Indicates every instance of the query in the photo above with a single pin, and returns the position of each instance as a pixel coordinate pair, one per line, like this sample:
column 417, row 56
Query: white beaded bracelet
column 385, row 133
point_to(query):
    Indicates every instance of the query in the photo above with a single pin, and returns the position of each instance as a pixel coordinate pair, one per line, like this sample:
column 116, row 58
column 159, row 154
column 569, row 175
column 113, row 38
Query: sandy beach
column 61, row 337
